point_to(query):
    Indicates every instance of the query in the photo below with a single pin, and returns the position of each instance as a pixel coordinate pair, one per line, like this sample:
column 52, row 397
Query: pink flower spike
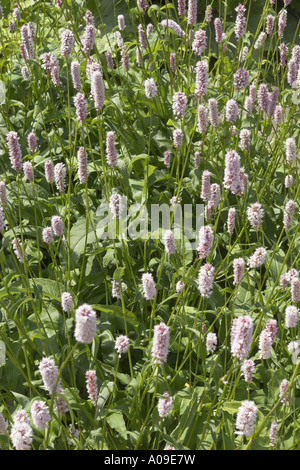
column 160, row 346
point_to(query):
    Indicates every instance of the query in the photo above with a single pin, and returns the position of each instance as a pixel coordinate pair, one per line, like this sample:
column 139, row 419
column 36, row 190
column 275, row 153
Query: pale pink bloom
column 248, row 104
column 173, row 62
column 139, row 57
column 278, row 114
column 248, row 368
column 11, row 26
column 75, row 74
column 173, row 26
column 218, row 30
column 149, row 288
column 192, row 12
column 119, row 39
column 168, row 447
column 205, row 187
column 260, row 40
column 244, row 180
column 179, row 104
column 293, row 348
column 66, row 302
column 21, row 435
column 142, row 37
column 115, row 289
column 48, row 62
column 291, row 316
column 288, row 182
column 214, row 199
column 292, row 72
column 115, row 205
column 265, row 343
column 86, row 324
column 49, row 171
column 14, row 151
column 232, row 179
column 160, row 346
column 241, row 79
column 150, row 88
column 26, row 40
column 273, row 433
column 181, row 7
column 178, row 138
column 111, row 154
column 91, row 386
column 282, row 20
column 40, row 414
column 55, row 76
column 16, row 13
column 199, row 43
column 67, row 43
column 201, row 78
column 245, row 422
column 179, row 286
column 82, row 165
column 167, row 158
column 122, row 345
column 31, row 140
column 283, row 387
column 109, row 59
column 213, row 112
column 205, row 280
column 289, row 212
column 121, row 22
column 202, row 119
column 125, row 58
column 169, row 242
column 245, row 137
column 295, row 289
column 231, row 220
column 273, row 98
column 290, row 145
column 149, row 29
column 240, row 21
column 88, row 38
column 283, row 52
column 255, row 214
column 97, row 90
column 142, row 4
column 81, row 107
column 165, row 405
column 208, row 13
column 60, row 177
column 18, row 249
column 3, row 426
column 47, row 235
column 91, row 67
column 197, row 159
column 3, row 196
column 257, row 259
column 25, row 72
column 241, row 336
column 211, row 342
column 244, row 53
column 206, row 238
column 28, row 171
column 232, row 110
column 263, row 97
column 270, row 25
column 2, row 219
column 49, row 372
column 57, row 226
